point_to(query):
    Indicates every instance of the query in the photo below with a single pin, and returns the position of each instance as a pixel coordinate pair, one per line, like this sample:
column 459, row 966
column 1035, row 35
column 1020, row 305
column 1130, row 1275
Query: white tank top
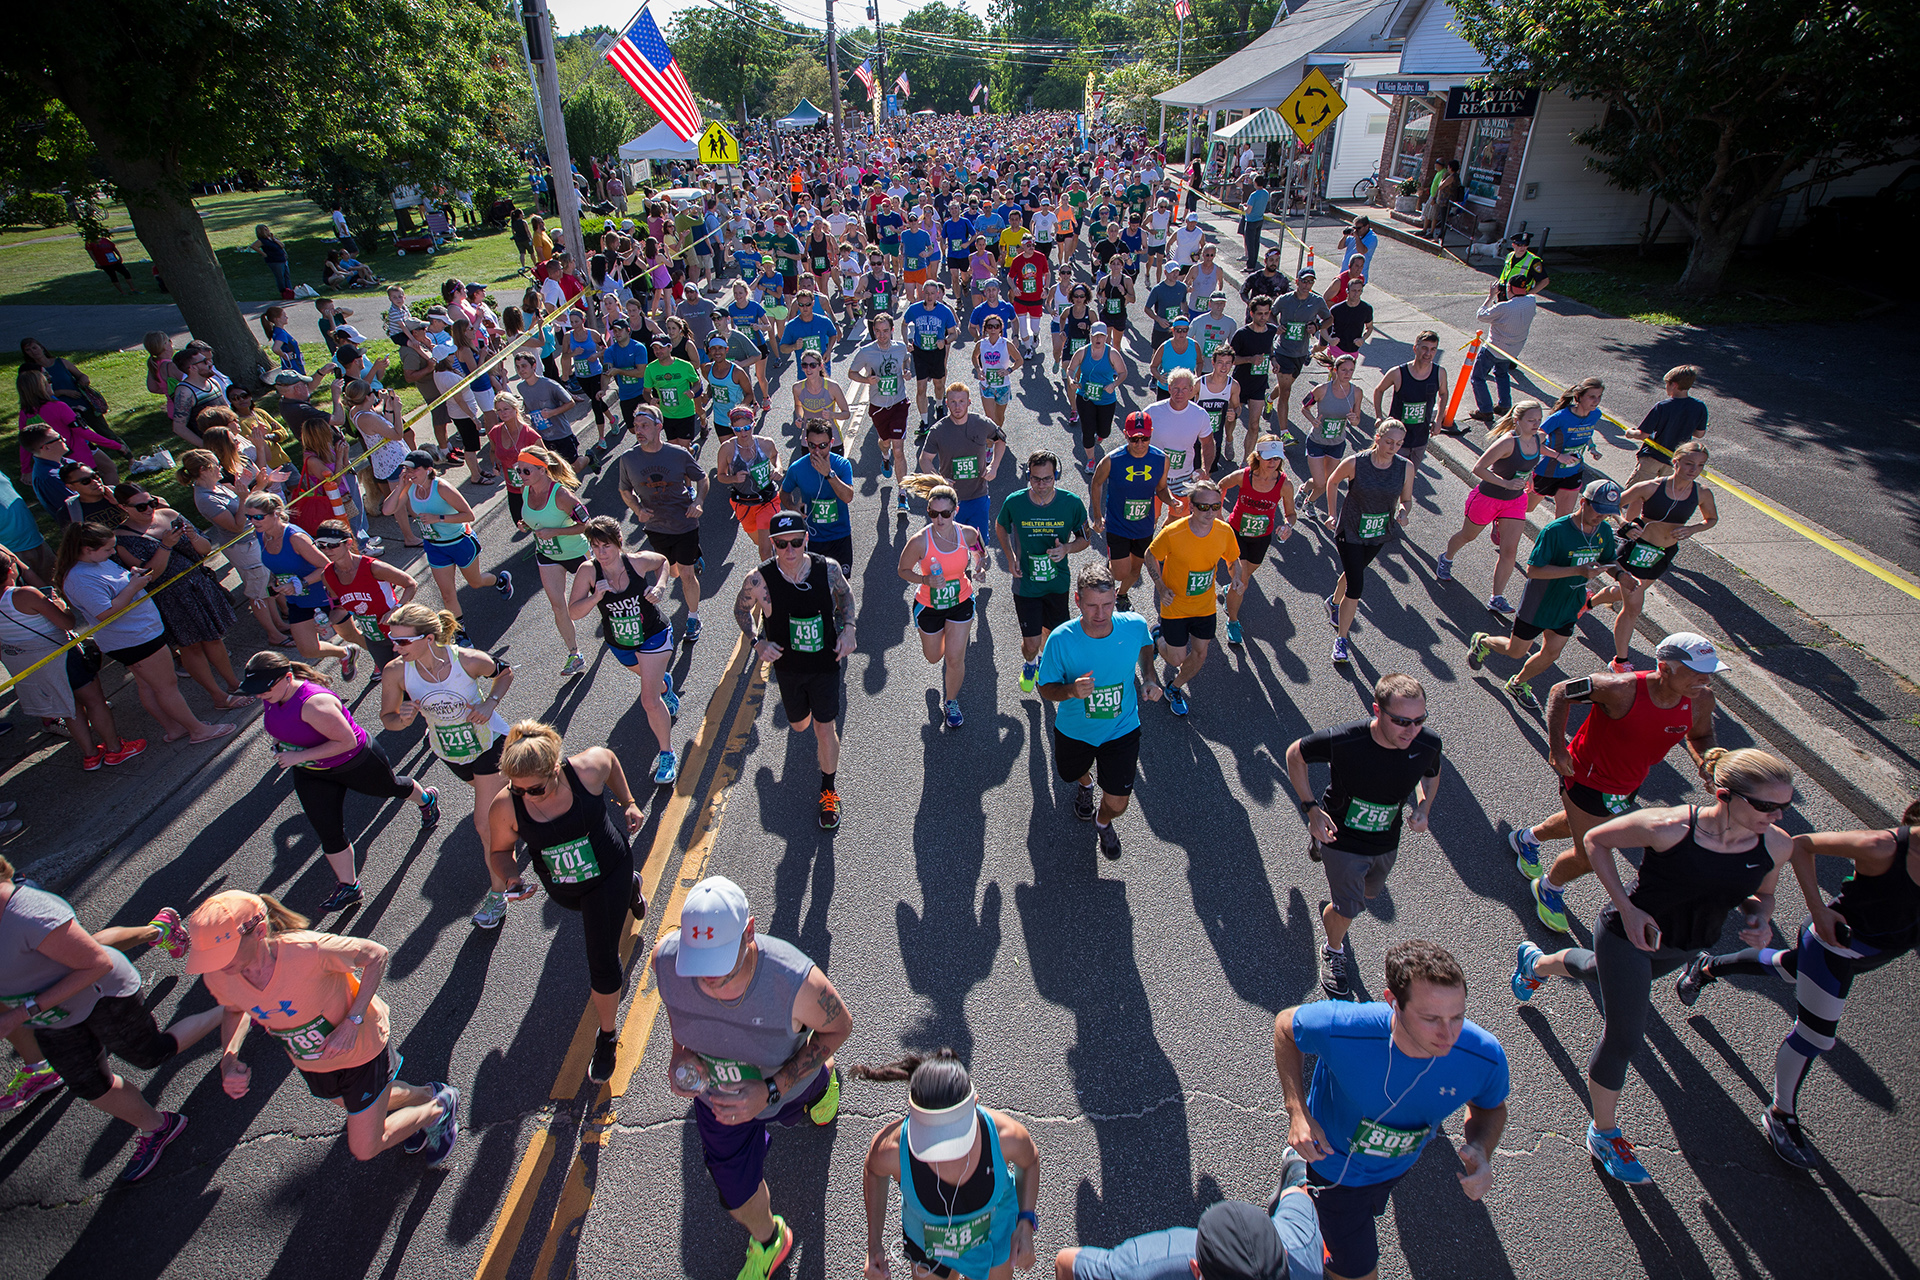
column 993, row 364
column 445, row 705
column 26, row 633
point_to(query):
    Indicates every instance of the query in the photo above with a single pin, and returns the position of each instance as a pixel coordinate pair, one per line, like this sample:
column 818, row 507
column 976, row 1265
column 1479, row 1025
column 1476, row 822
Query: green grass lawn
column 1762, row 290
column 36, row 269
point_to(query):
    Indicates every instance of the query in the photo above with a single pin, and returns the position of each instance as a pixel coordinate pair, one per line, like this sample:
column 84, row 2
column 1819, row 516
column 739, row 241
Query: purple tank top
column 284, row 724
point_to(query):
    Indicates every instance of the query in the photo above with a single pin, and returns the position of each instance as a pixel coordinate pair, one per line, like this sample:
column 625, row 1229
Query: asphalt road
column 1123, row 1010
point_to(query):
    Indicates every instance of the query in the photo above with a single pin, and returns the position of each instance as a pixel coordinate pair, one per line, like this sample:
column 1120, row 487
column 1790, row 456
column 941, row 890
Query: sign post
column 1313, row 106
column 718, row 147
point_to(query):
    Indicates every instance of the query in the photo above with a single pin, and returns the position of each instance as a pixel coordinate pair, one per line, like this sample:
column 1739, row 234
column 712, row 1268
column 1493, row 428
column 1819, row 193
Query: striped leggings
column 1822, row 977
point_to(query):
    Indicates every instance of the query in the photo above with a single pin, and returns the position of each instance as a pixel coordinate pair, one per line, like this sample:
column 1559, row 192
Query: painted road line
column 530, row 1177
column 576, row 1195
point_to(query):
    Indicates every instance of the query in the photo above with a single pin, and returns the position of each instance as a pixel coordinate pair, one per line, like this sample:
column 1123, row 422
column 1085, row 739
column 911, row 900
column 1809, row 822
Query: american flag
column 865, row 72
column 1182, row 9
column 976, row 91
column 906, row 90
column 642, row 58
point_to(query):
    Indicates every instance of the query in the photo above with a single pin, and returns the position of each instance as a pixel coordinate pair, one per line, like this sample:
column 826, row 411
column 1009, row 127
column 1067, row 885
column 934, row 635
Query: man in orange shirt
column 1182, row 560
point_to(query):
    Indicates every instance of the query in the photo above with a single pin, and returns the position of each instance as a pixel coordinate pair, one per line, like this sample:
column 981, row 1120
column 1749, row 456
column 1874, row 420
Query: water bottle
column 689, row 1078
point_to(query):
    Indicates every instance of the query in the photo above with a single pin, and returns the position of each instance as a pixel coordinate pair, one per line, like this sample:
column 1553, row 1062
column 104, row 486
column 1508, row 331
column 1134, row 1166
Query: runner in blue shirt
column 993, row 306
column 810, row 329
column 1569, row 430
column 956, row 234
column 627, row 357
column 820, row 487
column 1387, row 1075
column 929, row 325
column 887, row 225
column 990, row 224
column 1088, row 671
column 919, row 253
column 1125, row 495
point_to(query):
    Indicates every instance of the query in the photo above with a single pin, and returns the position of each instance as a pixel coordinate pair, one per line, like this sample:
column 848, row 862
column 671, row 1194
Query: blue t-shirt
column 1003, row 309
column 18, row 532
column 1005, row 211
column 624, row 356
column 1257, row 204
column 958, row 233
column 49, row 488
column 1131, row 240
column 990, row 225
column 1114, row 709
column 887, row 226
column 1164, row 1255
column 916, row 249
column 1567, row 432
column 928, row 324
column 746, row 314
column 827, row 516
column 1360, row 1072
column 815, row 326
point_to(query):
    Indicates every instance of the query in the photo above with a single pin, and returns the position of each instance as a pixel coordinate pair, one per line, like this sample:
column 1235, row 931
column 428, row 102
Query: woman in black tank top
column 1699, row 864
column 563, row 808
column 1653, row 524
column 614, row 581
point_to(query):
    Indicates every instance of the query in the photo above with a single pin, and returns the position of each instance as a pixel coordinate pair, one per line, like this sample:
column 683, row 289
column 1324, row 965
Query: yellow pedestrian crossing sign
column 1311, row 107
column 717, row 146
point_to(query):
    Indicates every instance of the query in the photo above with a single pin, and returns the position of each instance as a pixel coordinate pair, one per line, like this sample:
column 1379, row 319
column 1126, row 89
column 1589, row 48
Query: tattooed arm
column 842, row 608
column 816, row 1008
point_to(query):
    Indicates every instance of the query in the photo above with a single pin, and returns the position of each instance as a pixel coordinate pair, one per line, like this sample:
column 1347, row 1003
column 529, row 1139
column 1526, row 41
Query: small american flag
column 976, row 91
column 865, row 73
column 1182, row 9
column 906, row 90
column 642, row 58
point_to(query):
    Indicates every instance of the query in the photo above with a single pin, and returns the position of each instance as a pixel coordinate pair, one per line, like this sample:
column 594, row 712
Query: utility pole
column 880, row 82
column 537, row 28
column 833, row 78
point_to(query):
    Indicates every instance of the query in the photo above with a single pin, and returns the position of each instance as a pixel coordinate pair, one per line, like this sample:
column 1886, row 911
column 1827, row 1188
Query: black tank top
column 572, row 852
column 801, row 622
column 1689, row 889
column 971, row 1196
column 631, row 619
column 1423, row 394
column 1667, row 509
column 1075, row 327
column 1883, row 909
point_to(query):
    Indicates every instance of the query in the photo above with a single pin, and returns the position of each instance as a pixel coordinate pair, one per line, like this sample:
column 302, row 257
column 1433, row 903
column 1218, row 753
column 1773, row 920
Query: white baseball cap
column 711, row 924
column 1690, row 650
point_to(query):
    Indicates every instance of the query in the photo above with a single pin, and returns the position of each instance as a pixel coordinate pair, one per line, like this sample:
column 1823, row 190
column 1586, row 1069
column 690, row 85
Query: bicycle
column 1363, row 190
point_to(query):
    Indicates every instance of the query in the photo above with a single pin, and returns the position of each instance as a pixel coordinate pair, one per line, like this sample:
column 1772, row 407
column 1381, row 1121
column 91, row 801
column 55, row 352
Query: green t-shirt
column 1136, row 197
column 1077, row 199
column 1032, row 529
column 789, row 267
column 1555, row 602
column 674, row 381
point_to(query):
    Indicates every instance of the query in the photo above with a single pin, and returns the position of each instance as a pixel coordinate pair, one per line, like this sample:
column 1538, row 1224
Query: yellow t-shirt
column 1010, row 241
column 1189, row 562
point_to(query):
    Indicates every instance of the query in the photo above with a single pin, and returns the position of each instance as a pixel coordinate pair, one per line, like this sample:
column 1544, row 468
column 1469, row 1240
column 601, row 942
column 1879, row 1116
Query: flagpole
column 538, row 28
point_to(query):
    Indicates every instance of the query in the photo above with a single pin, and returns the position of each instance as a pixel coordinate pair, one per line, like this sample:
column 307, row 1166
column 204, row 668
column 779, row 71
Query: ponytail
column 438, row 623
column 533, row 750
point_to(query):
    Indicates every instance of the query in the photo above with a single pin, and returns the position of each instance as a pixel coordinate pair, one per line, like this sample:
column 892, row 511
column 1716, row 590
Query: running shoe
column 1586, row 606
column 1526, row 852
column 573, row 666
column 1524, row 983
column 455, row 455
column 902, row 506
column 1621, row 667
column 1234, row 634
column 1084, row 806
column 1341, row 652
column 670, row 698
column 1177, row 700
column 147, row 1151
column 1498, row 604
column 824, row 1111
column 93, row 762
column 430, row 811
column 504, row 585
column 829, row 810
column 1477, row 650
column 129, row 748
column 954, row 718
column 1615, row 1154
column 1521, row 693
column 1028, row 672
column 493, row 909
column 1333, row 613
column 414, row 1142
column 342, row 897
column 1550, row 904
column 693, row 628
column 173, row 932
column 1789, row 1140
column 1125, row 601
column 765, row 1259
column 521, row 890
column 600, row 1070
column 886, row 466
column 665, row 769
column 350, row 664
column 1333, row 973
column 373, row 546
column 446, row 1130
column 1109, row 841
column 637, row 903
column 27, row 1084
column 1695, row 976
column 1443, row 568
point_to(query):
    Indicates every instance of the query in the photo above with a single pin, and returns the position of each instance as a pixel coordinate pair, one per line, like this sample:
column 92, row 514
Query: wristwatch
column 1307, row 806
column 356, row 1018
column 1027, row 1216
column 32, row 1006
column 773, row 1092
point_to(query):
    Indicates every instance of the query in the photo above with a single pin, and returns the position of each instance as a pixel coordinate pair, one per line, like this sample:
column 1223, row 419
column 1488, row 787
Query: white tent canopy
column 660, row 143
column 1262, row 126
column 1266, row 71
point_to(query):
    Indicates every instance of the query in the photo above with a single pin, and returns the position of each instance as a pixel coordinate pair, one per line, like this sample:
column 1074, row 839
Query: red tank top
column 364, row 594
column 1614, row 756
column 1253, row 509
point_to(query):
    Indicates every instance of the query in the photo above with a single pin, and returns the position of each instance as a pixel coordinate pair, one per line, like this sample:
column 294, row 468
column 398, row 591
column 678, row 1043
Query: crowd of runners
column 920, row 287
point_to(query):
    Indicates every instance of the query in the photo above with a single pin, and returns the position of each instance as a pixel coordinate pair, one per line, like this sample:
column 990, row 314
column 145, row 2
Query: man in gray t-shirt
column 884, row 366
column 1297, row 317
column 666, row 488
column 1166, row 301
column 967, row 450
column 698, row 311
column 547, row 403
column 31, row 915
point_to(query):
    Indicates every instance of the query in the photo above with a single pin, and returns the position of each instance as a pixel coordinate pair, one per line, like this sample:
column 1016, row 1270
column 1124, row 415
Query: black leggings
column 603, row 905
column 1354, row 559
column 119, row 1025
column 1626, row 975
column 1096, row 420
column 515, row 500
column 323, row 793
column 469, row 434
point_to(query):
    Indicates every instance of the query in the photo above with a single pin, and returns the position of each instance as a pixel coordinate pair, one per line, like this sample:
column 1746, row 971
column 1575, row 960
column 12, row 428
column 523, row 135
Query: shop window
column 1417, row 128
column 1486, row 159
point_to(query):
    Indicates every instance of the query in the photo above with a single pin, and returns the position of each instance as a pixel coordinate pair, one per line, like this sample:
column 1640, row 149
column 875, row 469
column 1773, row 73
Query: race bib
column 549, row 547
column 627, row 630
column 1208, row 346
column 890, row 385
column 943, row 595
column 1092, row 392
column 571, row 863
column 306, row 1041
column 1262, row 367
column 1296, row 330
column 1365, row 815
column 1585, row 556
column 45, row 1018
column 630, row 379
column 807, row 635
column 1176, row 459
column 1199, row 581
column 993, row 379
column 1644, row 555
column 913, row 262
column 1116, row 306
column 823, row 510
column 1137, row 509
column 289, row 583
column 1616, row 804
column 1214, row 416
column 811, row 343
column 1415, row 413
column 1375, row 526
column 820, row 264
column 1074, row 345
column 669, row 397
column 880, row 300
column 1105, row 702
column 1042, row 568
column 1371, row 1138
column 1332, row 430
column 368, row 627
column 1254, row 526
column 460, row 742
column 760, row 474
column 966, row 467
column 952, row 1240
column 927, row 340
column 725, row 1071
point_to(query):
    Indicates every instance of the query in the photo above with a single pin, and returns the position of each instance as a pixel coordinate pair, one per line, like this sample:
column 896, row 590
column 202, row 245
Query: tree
column 731, row 58
column 172, row 92
column 1130, row 88
column 928, row 45
column 804, row 76
column 597, row 123
column 1717, row 108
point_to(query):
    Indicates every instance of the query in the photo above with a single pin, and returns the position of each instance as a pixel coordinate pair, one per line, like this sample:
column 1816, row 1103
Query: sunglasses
column 86, row 479
column 329, row 544
column 399, row 639
column 1763, row 806
column 789, row 544
column 809, row 364
column 148, row 505
column 256, row 516
column 943, row 513
column 1406, row 722
column 1206, row 506
column 535, row 791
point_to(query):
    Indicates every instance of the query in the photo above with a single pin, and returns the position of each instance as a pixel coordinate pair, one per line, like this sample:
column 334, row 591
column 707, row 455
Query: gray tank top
column 752, row 1035
column 1337, row 413
column 1511, row 468
column 1373, row 495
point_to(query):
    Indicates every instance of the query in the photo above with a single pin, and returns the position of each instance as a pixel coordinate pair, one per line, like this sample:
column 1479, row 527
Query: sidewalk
column 112, row 328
